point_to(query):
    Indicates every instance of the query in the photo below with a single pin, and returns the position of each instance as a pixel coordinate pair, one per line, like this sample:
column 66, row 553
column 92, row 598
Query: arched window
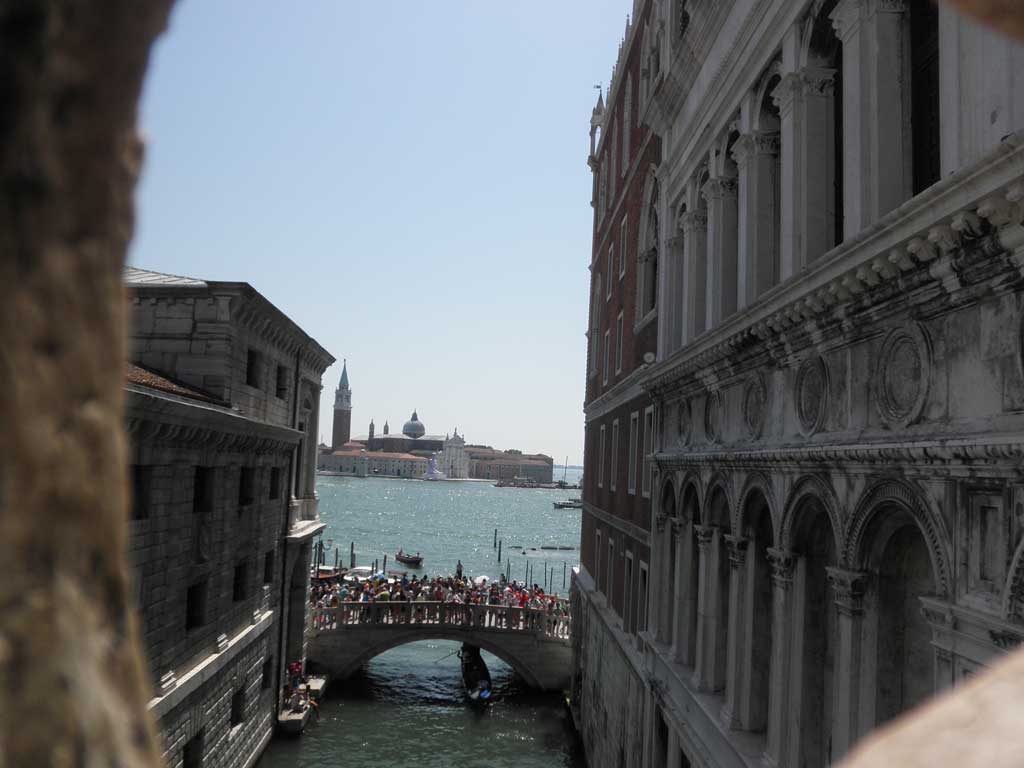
column 648, row 295
column 595, row 324
column 627, row 123
column 924, row 92
column 602, row 193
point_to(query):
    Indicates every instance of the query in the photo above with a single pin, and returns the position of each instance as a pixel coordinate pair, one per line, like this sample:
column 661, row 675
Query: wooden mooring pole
column 499, row 551
column 352, row 555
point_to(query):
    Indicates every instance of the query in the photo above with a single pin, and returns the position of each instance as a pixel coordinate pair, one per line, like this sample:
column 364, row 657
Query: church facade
column 836, row 522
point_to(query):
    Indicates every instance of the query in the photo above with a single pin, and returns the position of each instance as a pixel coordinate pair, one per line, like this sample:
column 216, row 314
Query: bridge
column 532, row 641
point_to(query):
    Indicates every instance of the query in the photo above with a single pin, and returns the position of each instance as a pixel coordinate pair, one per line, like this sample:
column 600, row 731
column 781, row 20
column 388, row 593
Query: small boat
column 414, row 560
column 569, row 504
column 359, row 573
column 475, row 676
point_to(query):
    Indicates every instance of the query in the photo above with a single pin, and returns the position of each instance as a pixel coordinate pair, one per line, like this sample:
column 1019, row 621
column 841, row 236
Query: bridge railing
column 469, row 617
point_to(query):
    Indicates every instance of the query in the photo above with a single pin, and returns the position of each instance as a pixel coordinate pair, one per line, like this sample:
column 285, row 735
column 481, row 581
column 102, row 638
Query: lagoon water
column 407, row 708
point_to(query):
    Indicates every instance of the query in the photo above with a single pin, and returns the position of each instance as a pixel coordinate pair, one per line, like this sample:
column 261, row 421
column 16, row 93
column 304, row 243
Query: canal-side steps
column 293, row 723
column 534, row 642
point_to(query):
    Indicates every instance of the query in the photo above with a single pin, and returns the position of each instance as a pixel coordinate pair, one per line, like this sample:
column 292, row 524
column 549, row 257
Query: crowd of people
column 441, row 599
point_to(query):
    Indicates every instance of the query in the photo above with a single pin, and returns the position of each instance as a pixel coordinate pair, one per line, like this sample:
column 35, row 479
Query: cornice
column 632, row 530
column 924, row 251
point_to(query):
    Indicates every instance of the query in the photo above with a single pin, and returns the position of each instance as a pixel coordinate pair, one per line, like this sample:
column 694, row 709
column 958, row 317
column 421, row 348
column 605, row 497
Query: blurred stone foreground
column 72, row 687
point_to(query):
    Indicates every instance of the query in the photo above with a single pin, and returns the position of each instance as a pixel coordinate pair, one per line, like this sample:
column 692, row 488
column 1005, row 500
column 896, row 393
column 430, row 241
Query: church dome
column 414, row 427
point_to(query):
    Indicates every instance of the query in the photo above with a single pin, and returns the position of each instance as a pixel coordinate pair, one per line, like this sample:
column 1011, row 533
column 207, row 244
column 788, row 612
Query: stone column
column 721, row 197
column 675, row 302
column 687, row 618
column 695, row 225
column 940, row 618
column 739, row 640
column 659, row 587
column 756, row 156
column 704, row 660
column 848, row 588
column 678, row 590
column 808, row 167
column 783, row 563
column 673, row 760
column 876, row 167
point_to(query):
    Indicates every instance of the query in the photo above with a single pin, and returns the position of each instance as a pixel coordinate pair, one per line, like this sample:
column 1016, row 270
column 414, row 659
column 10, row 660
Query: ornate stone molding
column 750, row 145
column 659, row 521
column 144, row 428
column 713, row 417
column 684, row 422
column 783, row 563
column 848, row 588
column 755, row 404
column 705, row 534
column 903, row 375
column 692, row 221
column 737, row 549
column 811, row 395
column 719, row 187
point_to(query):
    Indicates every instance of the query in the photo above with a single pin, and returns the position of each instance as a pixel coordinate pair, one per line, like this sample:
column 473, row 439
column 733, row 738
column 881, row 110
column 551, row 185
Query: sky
column 406, row 180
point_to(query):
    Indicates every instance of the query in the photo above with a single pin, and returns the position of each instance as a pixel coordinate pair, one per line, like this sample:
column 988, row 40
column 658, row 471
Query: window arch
column 596, row 303
column 627, row 122
column 648, row 272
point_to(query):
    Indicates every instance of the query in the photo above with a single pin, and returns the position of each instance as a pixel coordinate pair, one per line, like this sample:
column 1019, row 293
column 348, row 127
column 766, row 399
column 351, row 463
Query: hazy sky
column 406, row 180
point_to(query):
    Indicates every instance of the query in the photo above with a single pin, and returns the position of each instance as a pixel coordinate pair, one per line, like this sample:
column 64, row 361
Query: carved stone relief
column 685, row 422
column 755, row 401
column 902, row 376
column 811, row 394
column 713, row 417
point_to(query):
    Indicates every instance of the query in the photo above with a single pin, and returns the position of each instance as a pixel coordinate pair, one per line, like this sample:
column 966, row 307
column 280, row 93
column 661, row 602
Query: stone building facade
column 610, row 613
column 362, row 463
column 837, row 504
column 221, row 402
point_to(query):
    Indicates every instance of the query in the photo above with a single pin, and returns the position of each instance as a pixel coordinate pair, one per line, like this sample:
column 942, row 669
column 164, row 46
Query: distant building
column 221, row 408
column 485, row 463
column 454, row 461
column 363, row 463
column 342, row 431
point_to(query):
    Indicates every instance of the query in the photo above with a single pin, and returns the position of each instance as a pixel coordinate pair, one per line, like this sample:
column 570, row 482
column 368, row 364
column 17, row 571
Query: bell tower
column 342, row 432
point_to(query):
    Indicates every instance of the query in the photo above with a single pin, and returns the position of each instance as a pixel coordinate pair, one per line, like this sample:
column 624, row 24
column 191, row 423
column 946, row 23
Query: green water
column 406, row 708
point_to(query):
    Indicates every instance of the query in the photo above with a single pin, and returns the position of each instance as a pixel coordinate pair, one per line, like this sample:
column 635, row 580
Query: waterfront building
column 454, row 461
column 222, row 396
column 359, row 462
column 836, row 526
column 485, row 463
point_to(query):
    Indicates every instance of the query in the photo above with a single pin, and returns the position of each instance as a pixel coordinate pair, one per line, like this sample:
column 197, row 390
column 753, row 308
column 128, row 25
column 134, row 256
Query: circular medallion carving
column 811, row 395
column 713, row 417
column 685, row 422
column 902, row 376
column 755, row 401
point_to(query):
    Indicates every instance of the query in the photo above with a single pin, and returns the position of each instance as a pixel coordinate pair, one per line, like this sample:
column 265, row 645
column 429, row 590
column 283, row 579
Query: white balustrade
column 540, row 621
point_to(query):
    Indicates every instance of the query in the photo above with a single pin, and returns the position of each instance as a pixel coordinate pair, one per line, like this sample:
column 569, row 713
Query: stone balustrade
column 472, row 618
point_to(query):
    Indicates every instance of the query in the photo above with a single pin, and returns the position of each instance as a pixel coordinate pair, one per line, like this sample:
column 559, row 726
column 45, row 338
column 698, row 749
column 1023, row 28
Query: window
column 648, row 448
column 281, row 390
column 240, row 585
column 253, row 368
column 610, row 270
column 622, row 248
column 595, row 325
column 613, row 154
column 267, row 675
column 602, row 190
column 192, row 754
column 618, row 344
column 634, row 419
column 600, row 461
column 268, row 567
column 614, row 471
column 627, row 594
column 598, row 551
column 246, row 486
column 627, row 123
column 238, row 707
column 607, row 352
column 648, row 277
column 275, row 483
column 609, row 570
column 641, row 624
column 142, row 485
column 924, row 93
column 195, row 605
column 202, row 490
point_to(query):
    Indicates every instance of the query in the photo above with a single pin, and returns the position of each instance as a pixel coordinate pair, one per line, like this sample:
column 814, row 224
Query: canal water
column 406, row 708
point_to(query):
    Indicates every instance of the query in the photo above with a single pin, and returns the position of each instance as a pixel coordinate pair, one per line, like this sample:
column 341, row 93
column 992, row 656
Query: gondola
column 475, row 676
column 414, row 560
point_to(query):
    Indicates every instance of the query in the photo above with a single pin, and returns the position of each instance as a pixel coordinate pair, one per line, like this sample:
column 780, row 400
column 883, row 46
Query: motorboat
column 475, row 676
column 568, row 504
column 359, row 573
column 412, row 560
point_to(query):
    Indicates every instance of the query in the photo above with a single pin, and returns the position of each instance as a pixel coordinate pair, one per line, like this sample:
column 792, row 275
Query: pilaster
column 705, row 634
column 695, row 228
column 739, row 640
column 783, row 563
column 757, row 158
column 721, row 196
column 848, row 588
column 678, row 588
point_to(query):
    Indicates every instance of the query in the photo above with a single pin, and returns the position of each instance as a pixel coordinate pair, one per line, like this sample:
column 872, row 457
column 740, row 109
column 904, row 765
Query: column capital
column 737, row 549
column 678, row 525
column 846, row 18
column 886, row 6
column 659, row 521
column 848, row 588
column 719, row 187
column 691, row 221
column 750, row 145
column 705, row 533
column 783, row 562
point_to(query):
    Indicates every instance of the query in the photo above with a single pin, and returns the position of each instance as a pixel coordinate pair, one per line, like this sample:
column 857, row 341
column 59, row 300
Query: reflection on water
column 407, row 707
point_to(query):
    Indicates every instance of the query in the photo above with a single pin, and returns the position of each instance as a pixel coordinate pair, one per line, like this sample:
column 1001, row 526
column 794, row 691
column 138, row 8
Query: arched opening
column 297, row 586
column 758, row 530
column 691, row 577
column 648, row 283
column 767, row 237
column 924, row 93
column 904, row 660
column 669, row 540
column 824, row 55
column 815, row 627
column 719, row 571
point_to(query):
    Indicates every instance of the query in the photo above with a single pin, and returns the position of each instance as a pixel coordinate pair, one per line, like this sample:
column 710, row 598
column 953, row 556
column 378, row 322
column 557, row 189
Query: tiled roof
column 136, row 276
column 145, row 378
